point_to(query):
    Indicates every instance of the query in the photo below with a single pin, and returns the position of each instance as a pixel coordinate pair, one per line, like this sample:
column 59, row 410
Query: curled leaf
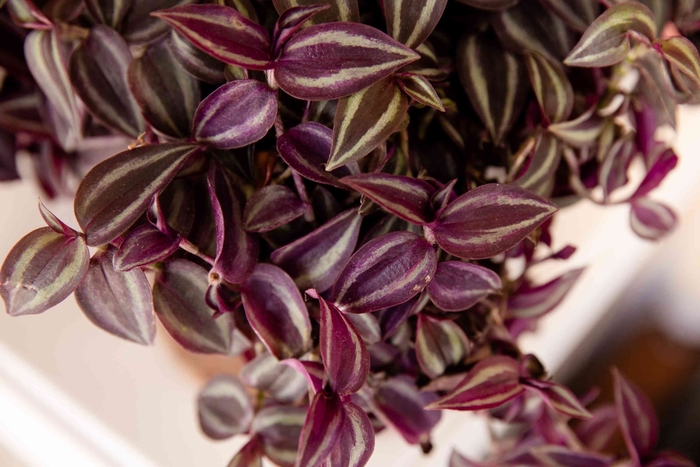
column 271, row 207
column 652, row 220
column 560, row 398
column 290, row 21
column 552, row 87
column 683, row 57
column 458, row 286
column 284, row 383
column 224, row 407
column 540, row 174
column 580, row 132
column 439, row 344
column 411, row 22
column 534, row 301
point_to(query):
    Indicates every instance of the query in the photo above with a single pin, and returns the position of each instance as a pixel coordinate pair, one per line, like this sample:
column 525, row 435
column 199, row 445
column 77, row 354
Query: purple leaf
column 55, row 223
column 439, row 344
column 109, row 12
column 244, row 7
column 27, row 14
column 280, row 428
column 236, row 250
column 167, row 95
column 364, row 120
column 194, row 61
column 489, row 220
column 290, row 21
column 399, row 405
column 265, row 373
column 670, row 459
column 313, row 372
column 657, row 173
column 340, row 10
column 330, row 61
column 405, row 197
column 597, row 433
column 490, row 4
column 533, row 302
column 250, row 455
column 179, row 300
column 411, row 22
column 392, row 318
column 315, row 260
column 223, row 33
column 276, row 311
column 561, row 456
column 306, row 149
column 224, row 407
column 143, row 246
column 271, row 207
column 577, row 14
column 419, row 89
column 140, row 27
column 356, row 443
column 613, row 170
column 322, row 430
column 560, row 398
column 651, row 220
column 492, row 382
column 41, row 270
column 638, row 422
column 344, row 354
column 551, row 85
column 581, row 132
column 118, row 302
column 385, row 272
column 116, row 192
column 541, row 173
column 443, row 197
column 367, row 326
column 236, row 114
column 458, row 286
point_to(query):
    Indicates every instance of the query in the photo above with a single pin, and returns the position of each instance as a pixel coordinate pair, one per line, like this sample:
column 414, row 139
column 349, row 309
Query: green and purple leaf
column 109, row 12
column 224, row 408
column 559, row 398
column 280, row 428
column 534, row 301
column 552, row 87
column 411, row 21
column 55, row 223
column 458, row 286
column 140, row 27
column 283, row 382
column 683, row 57
column 197, row 63
column 581, row 132
column 290, row 21
column 652, row 220
column 577, row 14
column 419, row 89
column 613, row 170
column 250, row 455
column 638, row 422
column 271, row 207
column 143, row 246
column 541, row 172
column 439, row 344
column 323, row 428
column 356, row 443
column 340, row 10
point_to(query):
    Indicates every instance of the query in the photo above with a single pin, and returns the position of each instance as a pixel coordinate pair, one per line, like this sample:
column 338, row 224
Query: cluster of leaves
column 277, row 150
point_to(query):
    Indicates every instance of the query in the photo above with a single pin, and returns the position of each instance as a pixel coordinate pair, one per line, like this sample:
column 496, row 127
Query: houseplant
column 339, row 192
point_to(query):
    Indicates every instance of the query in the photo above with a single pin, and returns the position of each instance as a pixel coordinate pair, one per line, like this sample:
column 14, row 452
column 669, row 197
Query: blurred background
column 72, row 395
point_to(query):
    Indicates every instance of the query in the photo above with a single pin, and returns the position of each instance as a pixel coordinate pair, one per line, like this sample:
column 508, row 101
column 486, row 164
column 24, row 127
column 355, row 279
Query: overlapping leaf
column 109, row 12
column 552, row 87
column 279, row 428
column 458, row 286
column 577, row 14
column 411, row 21
column 284, row 383
column 418, row 88
column 613, row 170
column 580, row 132
column 638, row 422
column 340, row 10
column 560, row 398
column 439, row 344
column 356, row 443
column 322, row 430
column 553, row 455
column 143, row 246
column 224, row 407
column 197, row 63
column 534, row 301
column 271, row 207
column 490, row 4
column 290, row 21
column 540, row 174
column 141, row 27
column 683, row 56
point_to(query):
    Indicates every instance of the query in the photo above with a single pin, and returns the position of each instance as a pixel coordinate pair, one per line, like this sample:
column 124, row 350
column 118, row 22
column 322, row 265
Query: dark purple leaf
column 271, row 207
column 385, row 272
column 637, row 418
column 280, row 428
column 312, row 371
column 118, row 302
column 116, row 192
column 329, row 61
column 250, row 455
column 367, row 325
column 492, row 382
column 405, row 197
column 392, row 318
column 356, row 443
column 613, row 170
column 443, row 197
column 458, row 286
column 534, row 301
column 109, row 12
column 551, row 85
column 265, row 373
column 652, row 220
column 27, row 14
column 194, row 61
column 411, row 21
column 322, row 430
column 670, row 459
column 577, row 14
column 418, row 88
column 489, row 220
column 439, row 344
column 224, row 407
column 143, row 246
column 597, row 432
column 139, row 27
column 657, row 173
column 276, row 311
column 55, row 223
column 560, row 398
column 41, row 270
column 340, row 10
column 561, row 456
column 179, row 300
column 315, row 260
column 223, row 33
column 290, row 21
column 236, row 114
column 21, row 114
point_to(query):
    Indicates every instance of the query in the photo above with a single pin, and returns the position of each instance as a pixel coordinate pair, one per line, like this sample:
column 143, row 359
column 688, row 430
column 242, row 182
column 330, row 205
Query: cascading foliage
column 349, row 194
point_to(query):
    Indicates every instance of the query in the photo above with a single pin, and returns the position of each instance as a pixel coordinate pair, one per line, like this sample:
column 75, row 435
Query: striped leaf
column 117, row 191
column 21, row 113
column 194, row 61
column 313, row 372
column 179, row 300
column 683, row 57
column 411, row 21
column 661, row 9
column 276, row 312
column 391, row 319
column 330, row 61
column 656, row 88
column 489, row 220
column 399, row 405
column 419, row 89
column 44, row 54
column 490, row 4
column 41, row 270
column 670, row 459
column 613, row 170
column 560, row 456
column 224, row 408
column 541, row 173
column 282, row 382
column 118, row 302
column 290, row 21
column 534, row 301
column 458, row 286
column 143, row 246
column 656, row 174
column 306, row 149
column 236, row 250
column 167, row 95
column 439, row 344
column 356, row 443
column 606, row 41
column 405, row 197
column 315, row 260
column 652, row 220
column 491, row 383
column 98, row 71
column 141, row 27
column 279, row 428
column 637, row 418
column 272, row 207
column 223, row 33
column 235, row 115
column 343, row 352
column 581, row 132
column 322, row 430
column 552, row 87
column 27, row 14
column 494, row 80
column 367, row 326
column 596, row 433
column 577, row 14
column 55, row 223
column 365, row 120
column 385, row 272
column 340, row 10
column 560, row 398
column 250, row 455
column 109, row 12
column 443, row 197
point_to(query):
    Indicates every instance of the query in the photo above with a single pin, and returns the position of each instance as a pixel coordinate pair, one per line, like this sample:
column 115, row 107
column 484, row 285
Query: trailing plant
column 349, row 195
